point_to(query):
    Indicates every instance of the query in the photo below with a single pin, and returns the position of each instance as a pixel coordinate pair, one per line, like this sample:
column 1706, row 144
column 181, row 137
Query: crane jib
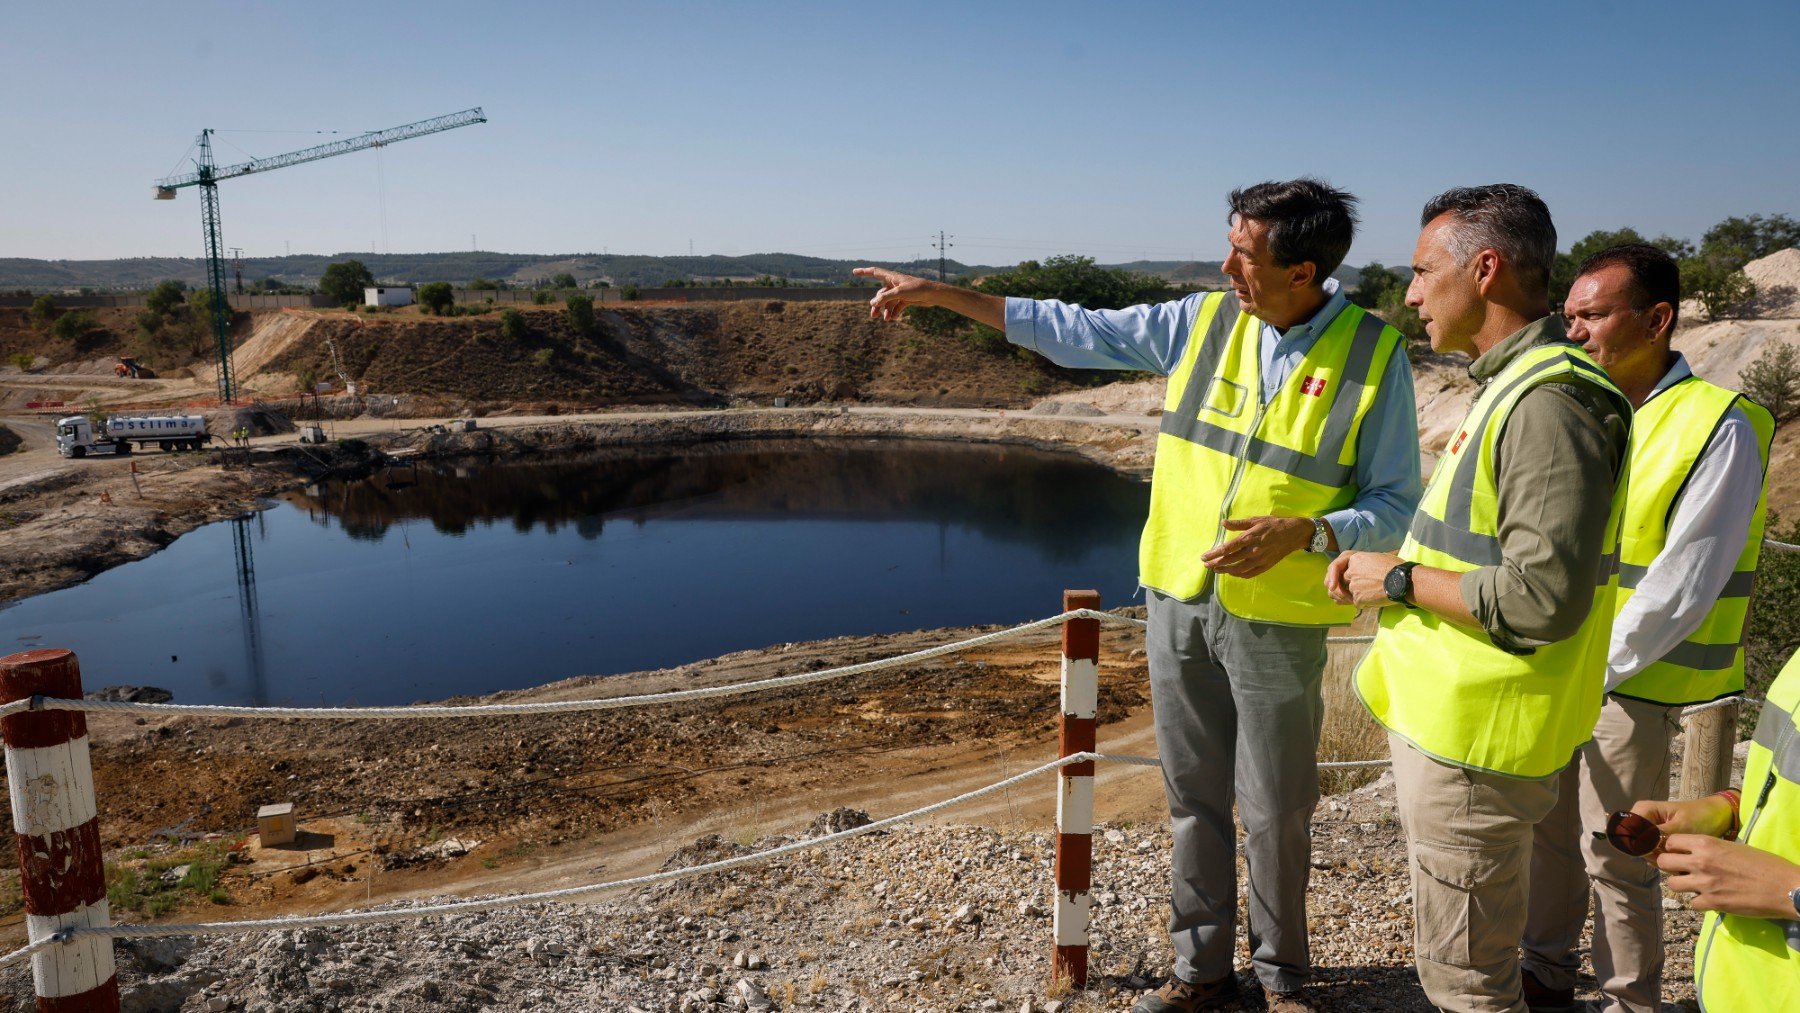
column 372, row 139
column 207, row 175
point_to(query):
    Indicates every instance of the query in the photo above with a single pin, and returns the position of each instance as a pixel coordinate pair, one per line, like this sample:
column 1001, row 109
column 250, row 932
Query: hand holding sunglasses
column 1641, row 830
column 1631, row 834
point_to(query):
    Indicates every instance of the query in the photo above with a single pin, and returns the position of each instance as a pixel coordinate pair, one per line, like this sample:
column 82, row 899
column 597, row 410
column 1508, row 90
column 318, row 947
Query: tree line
column 1712, row 273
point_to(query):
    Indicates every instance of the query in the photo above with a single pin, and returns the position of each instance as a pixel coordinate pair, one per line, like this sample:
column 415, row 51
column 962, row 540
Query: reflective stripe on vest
column 1668, row 436
column 1224, row 454
column 1748, row 965
column 1446, row 688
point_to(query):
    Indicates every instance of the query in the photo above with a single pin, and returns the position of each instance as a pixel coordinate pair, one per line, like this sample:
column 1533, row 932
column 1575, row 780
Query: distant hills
column 523, row 269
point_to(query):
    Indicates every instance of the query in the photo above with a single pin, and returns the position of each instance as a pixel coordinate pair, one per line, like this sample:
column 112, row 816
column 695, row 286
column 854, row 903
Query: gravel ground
column 936, row 918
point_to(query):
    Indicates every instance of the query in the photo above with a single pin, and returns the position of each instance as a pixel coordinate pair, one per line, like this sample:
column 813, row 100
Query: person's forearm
column 1440, row 592
column 980, row 307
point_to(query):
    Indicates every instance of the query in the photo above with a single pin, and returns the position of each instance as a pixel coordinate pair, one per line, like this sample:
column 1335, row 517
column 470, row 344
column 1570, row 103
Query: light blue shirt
column 1151, row 338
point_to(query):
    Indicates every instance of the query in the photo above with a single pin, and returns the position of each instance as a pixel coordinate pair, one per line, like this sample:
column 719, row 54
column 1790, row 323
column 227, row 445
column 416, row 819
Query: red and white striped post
column 51, row 782
column 1075, row 799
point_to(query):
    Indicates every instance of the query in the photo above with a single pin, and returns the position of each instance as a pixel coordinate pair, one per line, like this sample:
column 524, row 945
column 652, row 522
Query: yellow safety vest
column 1749, row 965
column 1668, row 435
column 1223, row 454
column 1446, row 688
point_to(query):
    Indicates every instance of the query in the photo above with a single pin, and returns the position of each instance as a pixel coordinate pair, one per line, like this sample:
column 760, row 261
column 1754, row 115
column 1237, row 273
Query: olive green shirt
column 1560, row 454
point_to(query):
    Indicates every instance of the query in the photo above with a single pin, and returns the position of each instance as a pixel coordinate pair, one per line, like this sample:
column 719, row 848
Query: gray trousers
column 1237, row 713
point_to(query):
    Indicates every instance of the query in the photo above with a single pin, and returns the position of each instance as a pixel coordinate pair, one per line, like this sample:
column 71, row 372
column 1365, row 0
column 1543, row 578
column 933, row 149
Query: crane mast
column 207, row 174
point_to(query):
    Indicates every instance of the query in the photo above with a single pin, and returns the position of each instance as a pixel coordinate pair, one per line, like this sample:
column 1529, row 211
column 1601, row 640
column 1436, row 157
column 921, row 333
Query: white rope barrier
column 613, row 703
column 1688, row 712
column 526, row 899
column 1783, row 546
column 565, row 706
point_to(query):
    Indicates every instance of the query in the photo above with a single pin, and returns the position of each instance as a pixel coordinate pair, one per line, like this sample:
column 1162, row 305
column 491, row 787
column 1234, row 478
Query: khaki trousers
column 1628, row 760
column 1468, row 836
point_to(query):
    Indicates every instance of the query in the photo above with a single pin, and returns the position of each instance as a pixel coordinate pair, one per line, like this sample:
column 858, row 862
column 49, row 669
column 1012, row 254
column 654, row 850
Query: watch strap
column 1404, row 569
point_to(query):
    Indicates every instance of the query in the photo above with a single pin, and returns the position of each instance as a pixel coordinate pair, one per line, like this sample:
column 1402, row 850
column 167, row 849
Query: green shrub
column 544, row 356
column 436, row 297
column 543, row 297
column 43, row 310
column 75, row 326
column 1773, row 380
column 345, row 282
column 512, row 325
column 580, row 313
column 166, row 297
column 1774, row 629
column 629, row 293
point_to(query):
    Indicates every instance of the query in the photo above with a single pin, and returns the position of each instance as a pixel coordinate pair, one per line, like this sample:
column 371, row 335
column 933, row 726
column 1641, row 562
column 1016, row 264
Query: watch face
column 1396, row 584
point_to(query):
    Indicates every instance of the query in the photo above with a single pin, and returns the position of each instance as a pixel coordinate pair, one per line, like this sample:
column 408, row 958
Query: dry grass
column 1349, row 733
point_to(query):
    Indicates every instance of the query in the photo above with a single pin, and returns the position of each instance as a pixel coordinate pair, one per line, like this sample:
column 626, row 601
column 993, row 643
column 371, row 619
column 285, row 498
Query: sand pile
column 1777, row 278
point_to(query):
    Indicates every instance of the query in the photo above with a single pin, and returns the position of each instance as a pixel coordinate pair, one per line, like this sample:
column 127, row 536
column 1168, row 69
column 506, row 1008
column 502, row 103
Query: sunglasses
column 1630, row 833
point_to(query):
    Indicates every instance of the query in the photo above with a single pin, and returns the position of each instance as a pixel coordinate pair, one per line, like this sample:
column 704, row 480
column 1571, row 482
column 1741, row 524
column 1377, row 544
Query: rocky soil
column 940, row 918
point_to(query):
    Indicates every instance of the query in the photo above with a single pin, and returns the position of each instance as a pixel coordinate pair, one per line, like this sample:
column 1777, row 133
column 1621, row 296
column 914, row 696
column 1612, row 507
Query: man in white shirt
column 1689, row 547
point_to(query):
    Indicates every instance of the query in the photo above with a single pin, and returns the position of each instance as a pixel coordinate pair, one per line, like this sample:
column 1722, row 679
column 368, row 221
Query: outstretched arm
column 900, row 291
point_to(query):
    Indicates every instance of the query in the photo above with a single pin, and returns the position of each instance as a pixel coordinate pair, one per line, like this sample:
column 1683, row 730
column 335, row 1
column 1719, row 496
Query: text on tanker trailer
column 78, row 437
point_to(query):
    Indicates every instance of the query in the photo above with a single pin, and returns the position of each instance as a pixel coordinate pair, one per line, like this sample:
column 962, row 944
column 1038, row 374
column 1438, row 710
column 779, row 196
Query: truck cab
column 75, row 437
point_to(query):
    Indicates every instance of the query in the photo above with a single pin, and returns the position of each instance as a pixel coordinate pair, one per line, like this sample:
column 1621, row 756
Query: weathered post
column 51, row 782
column 1075, row 797
column 1706, row 755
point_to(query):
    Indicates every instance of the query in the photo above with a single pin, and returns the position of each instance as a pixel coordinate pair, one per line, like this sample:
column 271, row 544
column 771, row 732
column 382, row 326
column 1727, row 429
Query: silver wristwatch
column 1321, row 539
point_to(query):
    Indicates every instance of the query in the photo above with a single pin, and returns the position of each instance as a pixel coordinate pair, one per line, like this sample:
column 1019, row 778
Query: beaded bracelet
column 1732, row 796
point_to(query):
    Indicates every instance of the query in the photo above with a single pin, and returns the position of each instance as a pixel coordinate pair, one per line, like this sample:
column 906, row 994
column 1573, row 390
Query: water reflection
column 440, row 579
column 1053, row 501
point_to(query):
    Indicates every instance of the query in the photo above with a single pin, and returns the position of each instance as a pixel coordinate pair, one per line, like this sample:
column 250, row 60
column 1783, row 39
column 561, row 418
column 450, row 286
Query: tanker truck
column 76, row 436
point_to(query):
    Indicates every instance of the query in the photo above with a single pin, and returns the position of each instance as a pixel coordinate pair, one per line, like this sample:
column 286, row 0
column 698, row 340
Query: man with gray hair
column 1488, row 666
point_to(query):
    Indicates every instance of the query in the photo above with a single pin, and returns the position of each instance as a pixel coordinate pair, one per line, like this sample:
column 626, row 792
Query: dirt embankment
column 692, row 355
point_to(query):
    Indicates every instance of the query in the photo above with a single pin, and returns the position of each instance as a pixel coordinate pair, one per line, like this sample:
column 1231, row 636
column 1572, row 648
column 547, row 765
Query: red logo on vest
column 1313, row 385
column 1460, row 437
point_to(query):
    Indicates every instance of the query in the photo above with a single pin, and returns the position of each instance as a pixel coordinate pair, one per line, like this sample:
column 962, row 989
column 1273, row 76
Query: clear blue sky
column 859, row 130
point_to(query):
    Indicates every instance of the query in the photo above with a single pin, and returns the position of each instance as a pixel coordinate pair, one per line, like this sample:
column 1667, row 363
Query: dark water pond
column 430, row 582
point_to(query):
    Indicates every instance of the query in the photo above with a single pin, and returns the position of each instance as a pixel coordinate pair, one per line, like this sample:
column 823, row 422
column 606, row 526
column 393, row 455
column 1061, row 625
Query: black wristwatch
column 1794, row 899
column 1398, row 584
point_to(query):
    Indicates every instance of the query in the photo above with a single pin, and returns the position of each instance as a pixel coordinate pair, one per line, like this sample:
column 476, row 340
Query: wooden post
column 1075, row 798
column 60, row 871
column 1706, row 755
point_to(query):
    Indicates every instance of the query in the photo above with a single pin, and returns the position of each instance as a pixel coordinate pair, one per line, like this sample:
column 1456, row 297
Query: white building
column 388, row 296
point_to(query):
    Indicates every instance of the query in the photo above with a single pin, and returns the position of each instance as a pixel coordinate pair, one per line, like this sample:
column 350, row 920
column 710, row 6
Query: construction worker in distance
column 1743, row 867
column 1288, row 432
column 1488, row 666
column 1689, row 547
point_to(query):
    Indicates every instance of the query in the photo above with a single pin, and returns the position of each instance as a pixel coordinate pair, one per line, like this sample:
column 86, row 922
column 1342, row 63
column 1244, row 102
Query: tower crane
column 207, row 175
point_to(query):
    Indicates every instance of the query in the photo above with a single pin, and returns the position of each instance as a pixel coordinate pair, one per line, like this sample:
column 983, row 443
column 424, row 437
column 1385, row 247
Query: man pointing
column 1287, row 433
